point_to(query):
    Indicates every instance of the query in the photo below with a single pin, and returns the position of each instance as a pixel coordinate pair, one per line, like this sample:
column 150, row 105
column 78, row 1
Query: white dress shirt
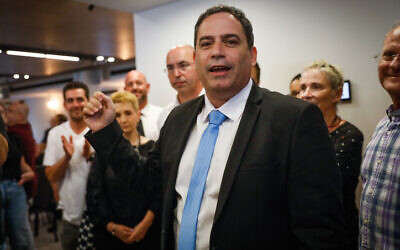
column 165, row 112
column 167, row 109
column 233, row 109
column 149, row 117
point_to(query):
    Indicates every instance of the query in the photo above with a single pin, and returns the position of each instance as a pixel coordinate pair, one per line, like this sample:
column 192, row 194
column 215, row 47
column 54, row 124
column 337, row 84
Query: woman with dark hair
column 321, row 83
column 120, row 211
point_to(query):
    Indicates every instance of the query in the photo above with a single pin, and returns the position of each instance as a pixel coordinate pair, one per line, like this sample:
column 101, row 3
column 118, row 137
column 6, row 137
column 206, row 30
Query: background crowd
column 283, row 173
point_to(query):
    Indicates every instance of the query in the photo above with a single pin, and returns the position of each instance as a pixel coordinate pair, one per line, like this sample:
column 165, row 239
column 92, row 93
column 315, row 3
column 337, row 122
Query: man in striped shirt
column 380, row 200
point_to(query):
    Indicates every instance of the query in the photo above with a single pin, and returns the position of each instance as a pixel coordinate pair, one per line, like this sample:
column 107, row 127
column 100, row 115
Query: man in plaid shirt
column 380, row 173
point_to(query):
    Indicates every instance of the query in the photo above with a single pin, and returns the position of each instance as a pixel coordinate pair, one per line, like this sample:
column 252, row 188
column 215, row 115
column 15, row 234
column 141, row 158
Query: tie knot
column 216, row 117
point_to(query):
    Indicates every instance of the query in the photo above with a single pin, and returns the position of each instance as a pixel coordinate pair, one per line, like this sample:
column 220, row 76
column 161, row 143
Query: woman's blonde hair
column 332, row 72
column 125, row 96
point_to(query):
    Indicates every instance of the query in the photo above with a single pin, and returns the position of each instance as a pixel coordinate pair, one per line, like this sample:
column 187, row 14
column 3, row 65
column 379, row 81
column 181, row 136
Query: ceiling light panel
column 42, row 55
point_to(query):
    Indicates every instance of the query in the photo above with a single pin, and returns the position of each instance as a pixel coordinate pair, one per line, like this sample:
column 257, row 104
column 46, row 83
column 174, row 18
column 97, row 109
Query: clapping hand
column 86, row 150
column 68, row 146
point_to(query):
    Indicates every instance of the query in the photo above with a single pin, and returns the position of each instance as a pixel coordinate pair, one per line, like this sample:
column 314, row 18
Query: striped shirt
column 380, row 199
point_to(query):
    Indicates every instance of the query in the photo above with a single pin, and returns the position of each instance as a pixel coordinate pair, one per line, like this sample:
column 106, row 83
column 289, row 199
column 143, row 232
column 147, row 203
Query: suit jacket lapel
column 239, row 146
column 181, row 136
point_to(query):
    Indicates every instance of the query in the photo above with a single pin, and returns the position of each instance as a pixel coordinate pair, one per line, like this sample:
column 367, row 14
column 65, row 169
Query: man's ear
column 253, row 53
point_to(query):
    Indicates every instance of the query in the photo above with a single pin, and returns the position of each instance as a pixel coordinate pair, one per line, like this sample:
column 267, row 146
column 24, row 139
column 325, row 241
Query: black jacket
column 280, row 188
column 109, row 198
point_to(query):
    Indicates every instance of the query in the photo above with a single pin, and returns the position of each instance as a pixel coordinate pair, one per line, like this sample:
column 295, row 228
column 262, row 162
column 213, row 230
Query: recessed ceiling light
column 63, row 58
column 41, row 55
column 111, row 59
column 23, row 53
column 1, row 51
column 26, row 77
column 16, row 76
column 100, row 58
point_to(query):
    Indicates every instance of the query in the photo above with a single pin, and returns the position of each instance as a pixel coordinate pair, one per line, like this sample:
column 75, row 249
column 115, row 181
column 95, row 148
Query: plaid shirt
column 380, row 199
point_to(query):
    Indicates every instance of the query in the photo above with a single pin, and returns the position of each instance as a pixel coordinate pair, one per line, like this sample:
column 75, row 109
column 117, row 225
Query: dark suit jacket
column 280, row 189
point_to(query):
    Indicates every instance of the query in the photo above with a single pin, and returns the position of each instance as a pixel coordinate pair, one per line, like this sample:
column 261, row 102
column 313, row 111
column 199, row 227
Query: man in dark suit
column 271, row 182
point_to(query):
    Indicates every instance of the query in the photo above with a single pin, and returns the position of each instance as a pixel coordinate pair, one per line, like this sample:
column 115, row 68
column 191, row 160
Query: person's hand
column 27, row 173
column 140, row 230
column 123, row 232
column 3, row 149
column 68, row 146
column 86, row 150
column 25, row 177
column 98, row 112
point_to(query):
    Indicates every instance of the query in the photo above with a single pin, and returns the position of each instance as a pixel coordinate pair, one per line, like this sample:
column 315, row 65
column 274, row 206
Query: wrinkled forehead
column 180, row 54
column 312, row 76
column 219, row 24
column 13, row 106
column 75, row 93
column 393, row 37
column 135, row 77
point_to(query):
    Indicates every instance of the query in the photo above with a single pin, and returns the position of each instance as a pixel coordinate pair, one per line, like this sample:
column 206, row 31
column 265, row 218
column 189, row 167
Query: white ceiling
column 132, row 6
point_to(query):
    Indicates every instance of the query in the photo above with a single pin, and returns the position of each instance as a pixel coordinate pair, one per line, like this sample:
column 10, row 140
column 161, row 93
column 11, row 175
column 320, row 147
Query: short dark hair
column 296, row 77
column 61, row 118
column 237, row 13
column 76, row 85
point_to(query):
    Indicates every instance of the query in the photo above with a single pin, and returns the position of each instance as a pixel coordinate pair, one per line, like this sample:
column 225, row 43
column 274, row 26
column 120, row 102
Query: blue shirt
column 380, row 173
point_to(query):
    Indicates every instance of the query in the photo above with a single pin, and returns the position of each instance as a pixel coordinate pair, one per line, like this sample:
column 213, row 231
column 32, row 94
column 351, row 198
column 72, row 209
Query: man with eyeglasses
column 380, row 172
column 183, row 78
column 136, row 83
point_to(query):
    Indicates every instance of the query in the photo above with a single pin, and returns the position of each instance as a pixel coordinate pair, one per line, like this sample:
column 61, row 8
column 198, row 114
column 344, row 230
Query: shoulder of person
column 59, row 129
column 278, row 101
column 188, row 106
column 353, row 131
column 154, row 108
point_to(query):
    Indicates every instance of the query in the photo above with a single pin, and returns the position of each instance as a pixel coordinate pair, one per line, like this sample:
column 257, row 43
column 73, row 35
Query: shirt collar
column 233, row 108
column 394, row 115
column 176, row 103
column 145, row 110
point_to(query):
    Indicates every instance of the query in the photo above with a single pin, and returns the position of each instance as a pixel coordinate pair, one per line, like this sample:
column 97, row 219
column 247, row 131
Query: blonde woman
column 120, row 210
column 321, row 83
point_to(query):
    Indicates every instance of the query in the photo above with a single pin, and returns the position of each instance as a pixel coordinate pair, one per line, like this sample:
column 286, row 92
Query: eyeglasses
column 387, row 57
column 181, row 67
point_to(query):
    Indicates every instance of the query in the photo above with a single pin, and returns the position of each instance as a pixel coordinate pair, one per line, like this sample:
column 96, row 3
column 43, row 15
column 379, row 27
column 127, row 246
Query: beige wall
column 288, row 35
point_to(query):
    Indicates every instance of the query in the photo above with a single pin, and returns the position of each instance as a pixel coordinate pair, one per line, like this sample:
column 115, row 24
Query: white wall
column 288, row 35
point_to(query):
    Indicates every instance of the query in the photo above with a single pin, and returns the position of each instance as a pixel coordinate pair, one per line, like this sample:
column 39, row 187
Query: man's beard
column 143, row 99
column 76, row 119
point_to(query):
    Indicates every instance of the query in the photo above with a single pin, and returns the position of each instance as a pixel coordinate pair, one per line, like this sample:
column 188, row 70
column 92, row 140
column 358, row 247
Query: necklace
column 333, row 124
column 138, row 143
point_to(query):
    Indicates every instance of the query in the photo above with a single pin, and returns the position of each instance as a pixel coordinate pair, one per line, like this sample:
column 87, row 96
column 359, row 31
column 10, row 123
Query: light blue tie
column 188, row 229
